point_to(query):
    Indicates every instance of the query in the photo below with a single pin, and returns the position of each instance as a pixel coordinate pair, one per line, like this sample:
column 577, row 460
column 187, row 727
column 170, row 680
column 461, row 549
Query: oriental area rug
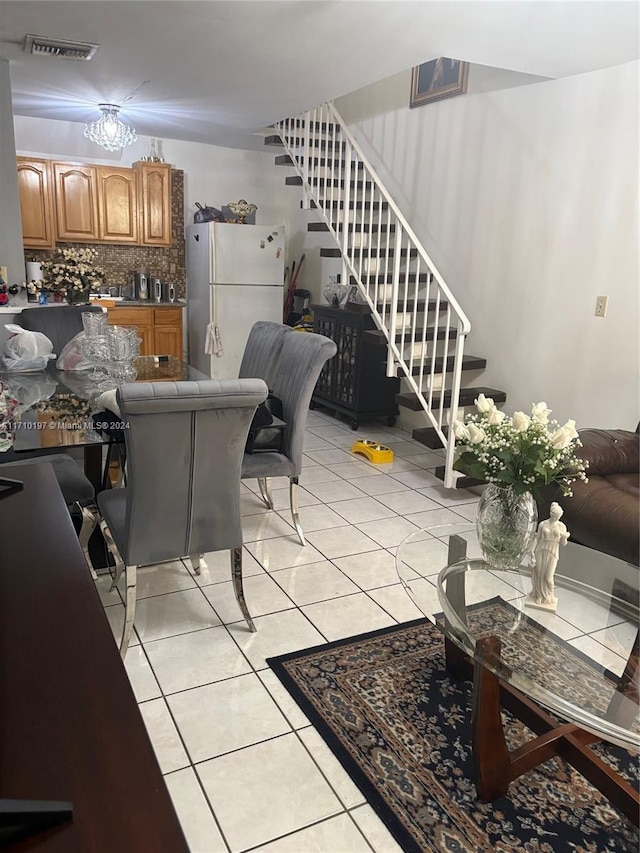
column 401, row 727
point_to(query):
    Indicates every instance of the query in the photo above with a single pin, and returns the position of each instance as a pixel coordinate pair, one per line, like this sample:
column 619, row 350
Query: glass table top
column 547, row 656
column 55, row 408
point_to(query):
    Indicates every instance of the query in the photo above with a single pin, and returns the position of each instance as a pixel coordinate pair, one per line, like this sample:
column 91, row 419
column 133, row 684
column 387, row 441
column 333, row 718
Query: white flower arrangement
column 523, row 451
column 72, row 269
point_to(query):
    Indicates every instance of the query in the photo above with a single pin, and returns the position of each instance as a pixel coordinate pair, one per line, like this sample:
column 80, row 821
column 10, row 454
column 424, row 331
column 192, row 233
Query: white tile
column 215, row 567
column 261, row 593
column 369, row 570
column 276, row 634
column 361, row 509
column 405, row 449
column 587, row 615
column 553, row 623
column 252, row 504
column 354, row 470
column 317, row 474
column 329, row 430
column 341, row 541
column 335, row 491
column 315, row 582
column 375, row 831
column 103, row 585
column 282, row 503
column 619, row 638
column 175, row 613
column 437, row 517
column 160, row 579
column 115, row 616
column 267, row 526
column 397, row 465
column 194, row 814
column 399, row 604
column 336, row 835
column 407, row 503
column 425, row 556
column 199, row 657
column 329, row 457
column 388, row 531
column 337, row 776
column 314, row 442
column 600, row 654
column 468, row 511
column 419, row 479
column 449, row 497
column 163, row 735
column 234, row 784
column 381, row 484
column 141, row 675
column 347, row 616
column 283, row 699
column 319, row 517
column 283, row 553
column 228, row 715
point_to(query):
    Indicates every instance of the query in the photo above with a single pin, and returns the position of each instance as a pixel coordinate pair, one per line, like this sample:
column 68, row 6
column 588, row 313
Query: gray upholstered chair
column 184, row 443
column 262, row 350
column 302, row 357
column 59, row 323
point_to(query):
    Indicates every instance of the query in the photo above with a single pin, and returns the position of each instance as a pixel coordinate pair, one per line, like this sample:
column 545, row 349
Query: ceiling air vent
column 59, row 48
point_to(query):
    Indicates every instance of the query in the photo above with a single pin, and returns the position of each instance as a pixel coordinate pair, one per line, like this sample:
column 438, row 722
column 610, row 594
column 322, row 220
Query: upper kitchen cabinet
column 117, row 205
column 76, row 202
column 34, row 185
column 154, row 203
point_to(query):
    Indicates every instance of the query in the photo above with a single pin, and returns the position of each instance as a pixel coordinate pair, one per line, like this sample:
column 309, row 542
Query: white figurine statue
column 546, row 544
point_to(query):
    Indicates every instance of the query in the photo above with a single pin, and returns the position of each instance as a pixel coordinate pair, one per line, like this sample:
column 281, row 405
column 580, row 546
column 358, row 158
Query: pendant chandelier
column 108, row 131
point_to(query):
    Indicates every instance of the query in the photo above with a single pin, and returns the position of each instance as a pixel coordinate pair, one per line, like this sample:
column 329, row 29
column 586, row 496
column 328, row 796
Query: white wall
column 526, row 199
column 11, row 254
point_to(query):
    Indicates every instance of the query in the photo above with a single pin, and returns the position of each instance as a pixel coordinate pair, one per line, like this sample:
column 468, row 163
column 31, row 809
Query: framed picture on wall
column 439, row 78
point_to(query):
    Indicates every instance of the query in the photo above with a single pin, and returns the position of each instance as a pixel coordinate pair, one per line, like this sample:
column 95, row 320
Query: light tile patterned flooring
column 244, row 767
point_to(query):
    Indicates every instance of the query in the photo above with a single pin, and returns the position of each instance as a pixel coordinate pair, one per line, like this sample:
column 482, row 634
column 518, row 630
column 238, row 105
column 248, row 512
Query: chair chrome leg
column 264, row 484
column 113, row 548
column 89, row 521
column 236, row 576
column 293, row 499
column 195, row 563
column 129, row 609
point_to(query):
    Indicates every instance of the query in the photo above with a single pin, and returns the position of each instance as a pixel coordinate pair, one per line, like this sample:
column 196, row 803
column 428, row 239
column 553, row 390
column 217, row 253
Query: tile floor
column 244, row 767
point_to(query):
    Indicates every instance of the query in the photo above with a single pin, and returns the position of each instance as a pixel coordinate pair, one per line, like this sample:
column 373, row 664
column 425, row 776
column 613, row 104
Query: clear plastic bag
column 26, row 351
column 72, row 356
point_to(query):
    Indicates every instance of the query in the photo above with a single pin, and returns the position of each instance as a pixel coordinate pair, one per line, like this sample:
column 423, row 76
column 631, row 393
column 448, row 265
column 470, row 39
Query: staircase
column 418, row 319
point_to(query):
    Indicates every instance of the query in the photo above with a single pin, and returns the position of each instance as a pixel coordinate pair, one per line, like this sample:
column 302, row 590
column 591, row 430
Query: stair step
column 467, row 396
column 316, row 126
column 469, row 362
column 429, row 437
column 296, row 181
column 375, row 251
column 463, row 482
column 276, row 142
column 354, row 204
column 379, row 337
column 382, row 278
column 411, row 305
column 286, row 160
column 362, row 228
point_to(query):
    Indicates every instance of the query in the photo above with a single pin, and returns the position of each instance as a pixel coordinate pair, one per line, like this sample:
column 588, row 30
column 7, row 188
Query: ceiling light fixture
column 108, row 131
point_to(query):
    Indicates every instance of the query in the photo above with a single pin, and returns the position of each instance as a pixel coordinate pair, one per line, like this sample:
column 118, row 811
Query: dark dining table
column 62, row 409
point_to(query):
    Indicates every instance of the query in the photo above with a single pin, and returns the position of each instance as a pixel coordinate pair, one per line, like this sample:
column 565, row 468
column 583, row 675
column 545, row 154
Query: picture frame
column 437, row 79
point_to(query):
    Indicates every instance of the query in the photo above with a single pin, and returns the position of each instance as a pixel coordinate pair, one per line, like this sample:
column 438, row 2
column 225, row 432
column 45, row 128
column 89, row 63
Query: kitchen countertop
column 130, row 303
column 179, row 303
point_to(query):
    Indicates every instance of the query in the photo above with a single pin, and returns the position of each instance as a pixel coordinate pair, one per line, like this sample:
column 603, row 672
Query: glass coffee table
column 519, row 658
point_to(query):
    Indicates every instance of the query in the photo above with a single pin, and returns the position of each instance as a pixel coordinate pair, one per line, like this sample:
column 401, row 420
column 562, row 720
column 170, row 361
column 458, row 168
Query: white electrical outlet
column 601, row 306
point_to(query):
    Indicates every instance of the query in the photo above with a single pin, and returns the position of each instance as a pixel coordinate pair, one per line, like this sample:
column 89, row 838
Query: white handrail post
column 393, row 315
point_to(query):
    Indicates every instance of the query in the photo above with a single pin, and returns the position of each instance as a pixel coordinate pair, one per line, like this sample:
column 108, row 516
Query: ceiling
column 218, row 71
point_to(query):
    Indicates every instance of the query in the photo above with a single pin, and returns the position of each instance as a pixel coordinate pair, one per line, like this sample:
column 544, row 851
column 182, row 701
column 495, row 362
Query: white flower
column 495, row 417
column 540, row 413
column 460, row 431
column 484, row 404
column 476, row 434
column 562, row 438
column 570, row 426
column 521, row 421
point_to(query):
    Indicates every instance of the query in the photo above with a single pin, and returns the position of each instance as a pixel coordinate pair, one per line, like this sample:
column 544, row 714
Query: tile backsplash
column 120, row 262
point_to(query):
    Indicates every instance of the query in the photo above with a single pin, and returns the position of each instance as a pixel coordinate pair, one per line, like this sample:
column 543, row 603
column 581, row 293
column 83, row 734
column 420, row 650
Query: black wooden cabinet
column 354, row 382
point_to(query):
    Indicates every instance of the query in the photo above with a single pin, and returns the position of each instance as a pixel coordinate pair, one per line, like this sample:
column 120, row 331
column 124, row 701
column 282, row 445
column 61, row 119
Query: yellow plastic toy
column 376, row 453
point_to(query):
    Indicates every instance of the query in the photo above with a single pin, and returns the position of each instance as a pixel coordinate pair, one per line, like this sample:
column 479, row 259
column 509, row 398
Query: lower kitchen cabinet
column 159, row 328
column 354, row 382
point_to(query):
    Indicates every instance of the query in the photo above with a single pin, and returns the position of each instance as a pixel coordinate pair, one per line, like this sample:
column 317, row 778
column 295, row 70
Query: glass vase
column 506, row 523
column 78, row 297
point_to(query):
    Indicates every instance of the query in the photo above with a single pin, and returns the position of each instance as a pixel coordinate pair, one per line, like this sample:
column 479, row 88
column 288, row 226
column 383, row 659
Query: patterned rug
column 401, row 727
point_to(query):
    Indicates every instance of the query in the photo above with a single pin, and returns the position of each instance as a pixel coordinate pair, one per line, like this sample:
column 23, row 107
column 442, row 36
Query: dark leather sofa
column 604, row 513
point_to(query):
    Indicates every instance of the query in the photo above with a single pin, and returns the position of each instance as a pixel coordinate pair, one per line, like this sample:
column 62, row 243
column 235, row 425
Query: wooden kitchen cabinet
column 35, row 189
column 117, row 205
column 159, row 328
column 76, row 202
column 154, row 203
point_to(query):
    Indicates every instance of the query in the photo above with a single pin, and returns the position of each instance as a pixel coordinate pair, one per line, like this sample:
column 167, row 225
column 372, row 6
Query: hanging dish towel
column 212, row 342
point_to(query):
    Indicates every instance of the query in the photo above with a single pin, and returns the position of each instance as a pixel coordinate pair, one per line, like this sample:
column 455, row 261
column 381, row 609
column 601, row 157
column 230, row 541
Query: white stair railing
column 423, row 324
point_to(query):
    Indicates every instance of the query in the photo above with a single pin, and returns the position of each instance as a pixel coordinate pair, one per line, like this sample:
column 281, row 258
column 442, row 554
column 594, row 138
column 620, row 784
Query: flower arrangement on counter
column 8, row 406
column 525, row 452
column 72, row 269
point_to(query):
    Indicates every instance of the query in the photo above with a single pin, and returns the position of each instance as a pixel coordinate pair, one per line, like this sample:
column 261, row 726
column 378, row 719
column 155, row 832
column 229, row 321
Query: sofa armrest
column 610, row 451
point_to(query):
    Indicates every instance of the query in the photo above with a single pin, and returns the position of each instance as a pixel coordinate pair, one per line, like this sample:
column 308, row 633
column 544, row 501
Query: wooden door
column 141, row 318
column 117, row 205
column 154, row 203
column 34, row 186
column 76, row 202
column 167, row 331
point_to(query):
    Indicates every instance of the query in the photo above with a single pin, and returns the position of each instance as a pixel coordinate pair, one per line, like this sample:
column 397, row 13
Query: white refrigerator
column 235, row 276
